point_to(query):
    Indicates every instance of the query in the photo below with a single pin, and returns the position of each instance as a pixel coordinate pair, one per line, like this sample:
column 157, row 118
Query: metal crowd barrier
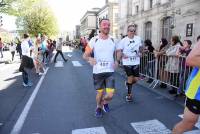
column 169, row 70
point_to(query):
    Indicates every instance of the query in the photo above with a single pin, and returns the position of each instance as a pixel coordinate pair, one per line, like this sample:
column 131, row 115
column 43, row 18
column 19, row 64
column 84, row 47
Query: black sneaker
column 172, row 91
column 162, row 85
column 98, row 112
column 129, row 98
column 150, row 80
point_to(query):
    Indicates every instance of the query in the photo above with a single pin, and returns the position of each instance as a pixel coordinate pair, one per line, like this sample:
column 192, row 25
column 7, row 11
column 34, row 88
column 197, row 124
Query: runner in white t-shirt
column 103, row 64
column 128, row 50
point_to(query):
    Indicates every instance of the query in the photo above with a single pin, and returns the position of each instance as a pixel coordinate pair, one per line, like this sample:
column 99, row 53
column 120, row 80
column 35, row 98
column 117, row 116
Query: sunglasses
column 131, row 30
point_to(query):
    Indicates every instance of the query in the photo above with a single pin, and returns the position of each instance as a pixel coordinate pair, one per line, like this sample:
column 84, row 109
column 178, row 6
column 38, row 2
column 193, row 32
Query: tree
column 33, row 16
column 38, row 19
column 17, row 7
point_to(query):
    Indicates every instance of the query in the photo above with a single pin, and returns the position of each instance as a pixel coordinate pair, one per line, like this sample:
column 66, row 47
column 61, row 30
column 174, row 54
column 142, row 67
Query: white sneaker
column 25, row 85
column 41, row 73
column 125, row 83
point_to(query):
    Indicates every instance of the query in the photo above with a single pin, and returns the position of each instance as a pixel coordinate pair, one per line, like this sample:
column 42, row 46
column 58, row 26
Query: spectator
column 149, row 49
column 172, row 66
column 12, row 50
column 27, row 62
column 38, row 57
column 18, row 48
column 162, row 61
column 1, row 48
column 59, row 50
column 184, row 69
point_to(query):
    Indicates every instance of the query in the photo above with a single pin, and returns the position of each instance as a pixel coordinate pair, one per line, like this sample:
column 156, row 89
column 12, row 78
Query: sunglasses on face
column 131, row 30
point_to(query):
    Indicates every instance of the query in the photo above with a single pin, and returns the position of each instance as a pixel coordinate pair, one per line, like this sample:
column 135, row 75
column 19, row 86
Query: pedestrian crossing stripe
column 69, row 55
column 150, row 127
column 142, row 127
column 59, row 64
column 193, row 132
column 196, row 125
column 76, row 63
column 94, row 130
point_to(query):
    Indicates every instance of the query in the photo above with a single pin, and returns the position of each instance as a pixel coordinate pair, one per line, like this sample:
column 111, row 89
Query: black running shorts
column 132, row 70
column 104, row 80
column 193, row 105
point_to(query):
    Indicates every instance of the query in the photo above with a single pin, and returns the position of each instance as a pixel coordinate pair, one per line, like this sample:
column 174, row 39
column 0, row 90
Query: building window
column 130, row 8
column 136, row 9
column 166, row 28
column 151, row 3
column 116, row 17
column 148, row 30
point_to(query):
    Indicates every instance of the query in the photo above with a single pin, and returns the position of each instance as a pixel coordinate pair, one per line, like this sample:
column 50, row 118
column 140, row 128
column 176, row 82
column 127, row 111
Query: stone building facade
column 156, row 19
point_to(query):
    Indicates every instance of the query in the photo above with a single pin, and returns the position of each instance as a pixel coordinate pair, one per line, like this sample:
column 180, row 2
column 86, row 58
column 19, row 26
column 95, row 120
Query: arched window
column 148, row 30
column 166, row 28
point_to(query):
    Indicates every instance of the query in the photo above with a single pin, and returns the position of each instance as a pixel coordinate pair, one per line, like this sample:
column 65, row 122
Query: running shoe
column 24, row 84
column 106, row 108
column 98, row 112
column 30, row 84
column 129, row 98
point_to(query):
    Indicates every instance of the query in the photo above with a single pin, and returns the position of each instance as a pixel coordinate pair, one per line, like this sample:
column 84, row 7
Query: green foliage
column 33, row 16
column 39, row 19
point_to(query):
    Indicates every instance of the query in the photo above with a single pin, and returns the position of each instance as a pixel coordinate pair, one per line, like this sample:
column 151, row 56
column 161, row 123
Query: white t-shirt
column 103, row 53
column 13, row 48
column 130, row 48
column 25, row 48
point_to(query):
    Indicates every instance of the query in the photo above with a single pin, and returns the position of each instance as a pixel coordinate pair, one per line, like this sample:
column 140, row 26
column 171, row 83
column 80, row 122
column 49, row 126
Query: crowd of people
column 34, row 53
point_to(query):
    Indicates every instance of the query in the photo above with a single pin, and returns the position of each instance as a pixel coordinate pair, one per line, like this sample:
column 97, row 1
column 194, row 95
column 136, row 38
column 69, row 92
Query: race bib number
column 104, row 65
column 133, row 59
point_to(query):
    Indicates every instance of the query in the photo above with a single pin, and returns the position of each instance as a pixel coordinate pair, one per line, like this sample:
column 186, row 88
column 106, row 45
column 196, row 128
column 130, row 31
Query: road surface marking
column 20, row 122
column 59, row 64
column 76, row 63
column 94, row 130
column 150, row 127
column 193, row 132
column 69, row 55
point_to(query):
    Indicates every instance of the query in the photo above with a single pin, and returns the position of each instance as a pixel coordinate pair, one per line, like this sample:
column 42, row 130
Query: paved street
column 63, row 102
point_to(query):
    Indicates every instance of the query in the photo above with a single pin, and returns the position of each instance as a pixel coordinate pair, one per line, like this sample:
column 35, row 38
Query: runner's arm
column 87, row 53
column 119, row 55
column 193, row 59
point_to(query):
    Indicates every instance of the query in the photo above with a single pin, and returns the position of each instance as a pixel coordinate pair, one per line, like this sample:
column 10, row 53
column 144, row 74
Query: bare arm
column 87, row 56
column 119, row 55
column 193, row 59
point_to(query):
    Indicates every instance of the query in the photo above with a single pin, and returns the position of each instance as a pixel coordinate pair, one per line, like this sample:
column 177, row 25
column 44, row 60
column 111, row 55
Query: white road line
column 76, row 63
column 59, row 64
column 150, row 127
column 20, row 122
column 193, row 132
column 69, row 55
column 196, row 125
column 94, row 130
